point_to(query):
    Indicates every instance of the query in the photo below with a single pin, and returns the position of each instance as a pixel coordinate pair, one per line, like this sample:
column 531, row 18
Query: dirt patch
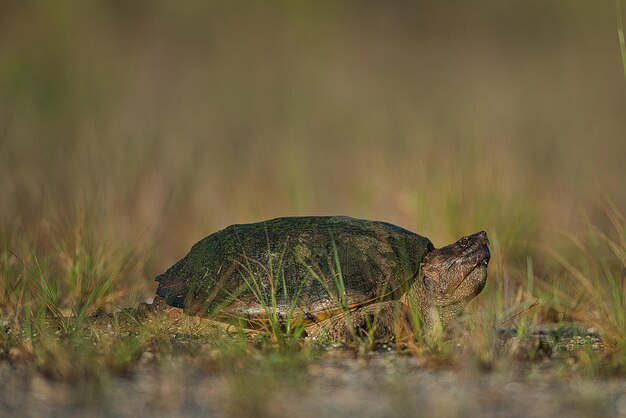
column 338, row 383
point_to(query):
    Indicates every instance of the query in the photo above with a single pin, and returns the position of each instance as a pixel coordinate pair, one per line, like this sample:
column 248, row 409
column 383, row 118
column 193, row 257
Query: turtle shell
column 305, row 268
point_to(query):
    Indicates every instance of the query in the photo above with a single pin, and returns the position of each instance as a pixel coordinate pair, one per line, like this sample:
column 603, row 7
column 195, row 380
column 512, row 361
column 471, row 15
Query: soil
column 339, row 383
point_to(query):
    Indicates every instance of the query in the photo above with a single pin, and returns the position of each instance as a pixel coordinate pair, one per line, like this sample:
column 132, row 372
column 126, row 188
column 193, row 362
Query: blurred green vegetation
column 130, row 130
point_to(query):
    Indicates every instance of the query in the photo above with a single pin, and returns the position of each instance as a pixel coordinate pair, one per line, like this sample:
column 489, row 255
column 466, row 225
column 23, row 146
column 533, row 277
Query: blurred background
column 130, row 130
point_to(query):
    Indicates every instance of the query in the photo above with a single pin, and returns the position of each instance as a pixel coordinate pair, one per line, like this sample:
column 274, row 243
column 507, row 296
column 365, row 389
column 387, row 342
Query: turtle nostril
column 484, row 236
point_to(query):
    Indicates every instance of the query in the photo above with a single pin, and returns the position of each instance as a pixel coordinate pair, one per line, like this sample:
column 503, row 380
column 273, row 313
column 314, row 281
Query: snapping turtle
column 336, row 275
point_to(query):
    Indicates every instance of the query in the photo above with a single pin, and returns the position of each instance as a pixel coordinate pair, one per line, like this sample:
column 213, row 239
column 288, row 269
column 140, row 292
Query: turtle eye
column 464, row 242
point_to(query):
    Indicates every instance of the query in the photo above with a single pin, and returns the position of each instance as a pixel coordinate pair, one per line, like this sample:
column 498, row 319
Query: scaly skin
column 451, row 276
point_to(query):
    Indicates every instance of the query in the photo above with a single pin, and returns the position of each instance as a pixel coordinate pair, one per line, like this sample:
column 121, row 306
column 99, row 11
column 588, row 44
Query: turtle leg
column 378, row 322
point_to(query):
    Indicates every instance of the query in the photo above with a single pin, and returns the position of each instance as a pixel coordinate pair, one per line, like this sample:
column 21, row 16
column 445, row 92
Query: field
column 131, row 130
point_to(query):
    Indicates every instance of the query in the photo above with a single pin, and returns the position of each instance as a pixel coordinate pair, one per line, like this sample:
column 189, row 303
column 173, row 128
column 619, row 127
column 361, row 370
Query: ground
column 173, row 365
column 339, row 383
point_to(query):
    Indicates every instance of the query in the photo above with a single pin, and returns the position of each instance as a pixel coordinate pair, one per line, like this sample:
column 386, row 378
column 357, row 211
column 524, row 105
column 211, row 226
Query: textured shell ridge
column 303, row 265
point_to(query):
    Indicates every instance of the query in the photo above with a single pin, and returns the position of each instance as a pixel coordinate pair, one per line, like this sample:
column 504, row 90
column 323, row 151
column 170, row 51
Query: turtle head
column 455, row 274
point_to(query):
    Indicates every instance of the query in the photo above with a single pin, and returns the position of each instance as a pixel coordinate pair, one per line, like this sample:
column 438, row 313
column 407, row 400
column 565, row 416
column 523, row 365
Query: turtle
column 332, row 275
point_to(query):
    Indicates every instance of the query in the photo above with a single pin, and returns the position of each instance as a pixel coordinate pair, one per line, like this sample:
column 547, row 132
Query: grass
column 281, row 329
column 64, row 342
column 598, row 296
column 127, row 133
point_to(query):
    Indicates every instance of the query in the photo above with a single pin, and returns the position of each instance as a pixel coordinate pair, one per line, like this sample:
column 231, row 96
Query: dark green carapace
column 305, row 266
column 311, row 269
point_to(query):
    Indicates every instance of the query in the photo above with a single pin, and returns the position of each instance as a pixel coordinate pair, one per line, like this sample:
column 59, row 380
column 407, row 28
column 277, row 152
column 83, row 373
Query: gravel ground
column 339, row 384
